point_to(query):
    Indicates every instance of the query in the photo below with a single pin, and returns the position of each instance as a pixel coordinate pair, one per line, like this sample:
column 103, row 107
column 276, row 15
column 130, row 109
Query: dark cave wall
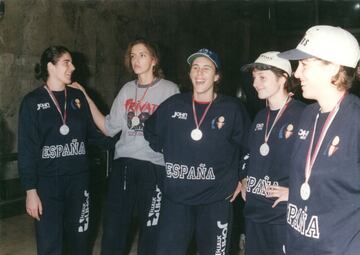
column 98, row 31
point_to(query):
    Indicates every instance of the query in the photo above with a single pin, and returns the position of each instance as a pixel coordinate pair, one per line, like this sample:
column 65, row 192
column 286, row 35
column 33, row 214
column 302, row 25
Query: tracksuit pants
column 133, row 186
column 65, row 202
column 264, row 238
column 210, row 223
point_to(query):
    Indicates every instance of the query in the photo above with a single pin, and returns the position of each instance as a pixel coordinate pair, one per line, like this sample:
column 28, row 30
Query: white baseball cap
column 329, row 43
column 270, row 58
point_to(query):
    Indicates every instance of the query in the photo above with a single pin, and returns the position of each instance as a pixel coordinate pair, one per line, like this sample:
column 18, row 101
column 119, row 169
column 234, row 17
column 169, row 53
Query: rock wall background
column 98, row 31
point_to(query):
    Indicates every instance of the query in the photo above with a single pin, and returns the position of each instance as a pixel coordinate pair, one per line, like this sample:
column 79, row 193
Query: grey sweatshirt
column 132, row 106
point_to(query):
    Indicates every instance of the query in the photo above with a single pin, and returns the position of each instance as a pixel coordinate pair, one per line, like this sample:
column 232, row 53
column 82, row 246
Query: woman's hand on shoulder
column 78, row 86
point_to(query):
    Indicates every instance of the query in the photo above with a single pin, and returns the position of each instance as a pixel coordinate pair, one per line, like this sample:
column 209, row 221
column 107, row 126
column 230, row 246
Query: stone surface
column 98, row 31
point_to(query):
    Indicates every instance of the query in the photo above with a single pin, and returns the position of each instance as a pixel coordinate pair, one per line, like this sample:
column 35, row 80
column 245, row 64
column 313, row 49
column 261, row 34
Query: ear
column 216, row 77
column 50, row 67
column 154, row 62
column 282, row 81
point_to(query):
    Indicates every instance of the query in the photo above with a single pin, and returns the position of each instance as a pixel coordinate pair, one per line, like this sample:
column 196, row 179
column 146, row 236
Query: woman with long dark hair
column 54, row 126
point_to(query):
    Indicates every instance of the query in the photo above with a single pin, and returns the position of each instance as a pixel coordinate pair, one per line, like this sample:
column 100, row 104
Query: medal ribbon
column 311, row 157
column 143, row 96
column 53, row 98
column 278, row 115
column 198, row 124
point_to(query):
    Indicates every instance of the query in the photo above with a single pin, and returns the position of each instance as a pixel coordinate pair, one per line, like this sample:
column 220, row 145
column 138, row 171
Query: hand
column 33, row 204
column 236, row 192
column 77, row 85
column 282, row 193
column 243, row 188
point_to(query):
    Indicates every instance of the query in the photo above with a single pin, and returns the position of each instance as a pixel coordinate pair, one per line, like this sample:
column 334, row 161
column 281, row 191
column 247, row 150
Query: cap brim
column 294, row 54
column 247, row 67
column 251, row 66
column 196, row 55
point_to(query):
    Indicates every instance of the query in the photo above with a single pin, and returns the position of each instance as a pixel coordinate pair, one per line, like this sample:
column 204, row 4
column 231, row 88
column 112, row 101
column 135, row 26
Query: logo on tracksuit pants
column 221, row 239
column 154, row 212
column 85, row 214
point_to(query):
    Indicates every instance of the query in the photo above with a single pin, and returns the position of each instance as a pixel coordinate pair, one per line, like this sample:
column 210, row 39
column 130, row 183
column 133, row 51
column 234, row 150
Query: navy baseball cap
column 207, row 54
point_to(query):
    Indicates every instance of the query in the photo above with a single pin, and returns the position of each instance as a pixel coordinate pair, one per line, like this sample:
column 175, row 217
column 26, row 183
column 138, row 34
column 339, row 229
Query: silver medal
column 264, row 149
column 305, row 191
column 135, row 121
column 64, row 129
column 196, row 134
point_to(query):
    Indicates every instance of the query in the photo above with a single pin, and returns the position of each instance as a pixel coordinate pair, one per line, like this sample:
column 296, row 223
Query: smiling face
column 203, row 77
column 314, row 76
column 142, row 61
column 267, row 84
column 61, row 71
